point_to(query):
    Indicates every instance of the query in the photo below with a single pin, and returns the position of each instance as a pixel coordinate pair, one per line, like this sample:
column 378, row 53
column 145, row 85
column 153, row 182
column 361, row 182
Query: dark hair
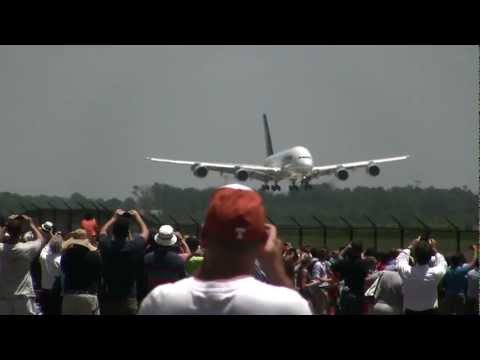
column 193, row 243
column 356, row 249
column 314, row 252
column 2, row 220
column 322, row 254
column 422, row 253
column 14, row 227
column 370, row 252
column 457, row 260
column 292, row 251
column 88, row 216
column 120, row 227
column 393, row 254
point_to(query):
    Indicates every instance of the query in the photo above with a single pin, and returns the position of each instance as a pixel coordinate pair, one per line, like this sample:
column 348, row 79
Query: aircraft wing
column 258, row 172
column 330, row 169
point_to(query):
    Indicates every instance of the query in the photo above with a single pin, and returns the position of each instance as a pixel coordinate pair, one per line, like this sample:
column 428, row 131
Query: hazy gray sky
column 82, row 118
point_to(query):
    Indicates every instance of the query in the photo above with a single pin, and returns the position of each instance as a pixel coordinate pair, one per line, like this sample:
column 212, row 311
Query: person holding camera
column 420, row 280
column 50, row 295
column 122, row 257
column 235, row 234
column 17, row 296
column 353, row 270
column 165, row 263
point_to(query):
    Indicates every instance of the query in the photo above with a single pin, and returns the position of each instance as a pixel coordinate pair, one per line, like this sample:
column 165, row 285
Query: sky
column 82, row 118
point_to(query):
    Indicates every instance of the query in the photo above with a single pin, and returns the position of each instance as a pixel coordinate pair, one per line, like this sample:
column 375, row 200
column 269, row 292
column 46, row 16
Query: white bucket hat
column 47, row 226
column 165, row 236
column 28, row 236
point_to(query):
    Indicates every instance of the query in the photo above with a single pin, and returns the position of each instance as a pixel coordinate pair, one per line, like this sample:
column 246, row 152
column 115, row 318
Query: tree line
column 432, row 205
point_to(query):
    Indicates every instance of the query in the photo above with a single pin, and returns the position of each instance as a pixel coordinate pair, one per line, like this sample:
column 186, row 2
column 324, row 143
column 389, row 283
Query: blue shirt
column 455, row 280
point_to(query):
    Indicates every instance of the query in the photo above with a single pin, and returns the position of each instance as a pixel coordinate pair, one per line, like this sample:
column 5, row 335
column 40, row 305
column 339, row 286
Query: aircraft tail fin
column 268, row 138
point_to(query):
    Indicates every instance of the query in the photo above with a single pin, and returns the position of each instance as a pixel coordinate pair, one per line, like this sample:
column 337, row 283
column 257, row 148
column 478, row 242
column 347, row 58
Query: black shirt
column 163, row 265
column 122, row 262
column 82, row 269
column 353, row 271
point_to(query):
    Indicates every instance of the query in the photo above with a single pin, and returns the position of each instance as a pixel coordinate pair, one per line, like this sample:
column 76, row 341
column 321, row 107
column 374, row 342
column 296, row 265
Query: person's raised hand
column 415, row 242
column 27, row 218
column 119, row 212
column 273, row 246
column 134, row 213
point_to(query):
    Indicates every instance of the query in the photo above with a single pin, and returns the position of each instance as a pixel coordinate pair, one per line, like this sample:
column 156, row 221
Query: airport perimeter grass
column 386, row 239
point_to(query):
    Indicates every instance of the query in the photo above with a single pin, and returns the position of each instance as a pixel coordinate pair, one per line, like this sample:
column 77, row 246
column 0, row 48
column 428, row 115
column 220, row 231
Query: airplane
column 295, row 164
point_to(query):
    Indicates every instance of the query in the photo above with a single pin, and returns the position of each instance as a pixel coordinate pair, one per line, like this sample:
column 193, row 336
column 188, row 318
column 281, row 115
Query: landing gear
column 306, row 183
column 265, row 187
column 307, row 187
column 293, row 186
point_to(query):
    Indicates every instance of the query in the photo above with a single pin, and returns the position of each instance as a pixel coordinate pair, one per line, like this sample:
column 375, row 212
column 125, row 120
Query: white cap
column 165, row 236
column 236, row 187
column 28, row 236
column 47, row 226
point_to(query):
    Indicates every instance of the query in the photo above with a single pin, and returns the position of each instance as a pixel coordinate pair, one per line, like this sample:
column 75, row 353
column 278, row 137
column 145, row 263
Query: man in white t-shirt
column 234, row 235
column 16, row 289
column 50, row 257
column 420, row 281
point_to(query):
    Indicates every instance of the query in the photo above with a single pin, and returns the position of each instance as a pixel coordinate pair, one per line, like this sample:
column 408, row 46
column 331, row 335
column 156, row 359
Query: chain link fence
column 311, row 231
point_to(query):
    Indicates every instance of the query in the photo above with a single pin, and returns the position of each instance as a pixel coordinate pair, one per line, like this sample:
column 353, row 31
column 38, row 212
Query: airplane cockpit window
column 304, row 157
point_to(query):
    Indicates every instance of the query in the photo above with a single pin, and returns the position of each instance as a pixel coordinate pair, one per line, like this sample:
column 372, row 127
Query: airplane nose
column 307, row 162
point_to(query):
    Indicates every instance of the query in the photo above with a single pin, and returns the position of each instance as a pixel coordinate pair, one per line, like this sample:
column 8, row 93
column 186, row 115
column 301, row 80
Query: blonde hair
column 56, row 243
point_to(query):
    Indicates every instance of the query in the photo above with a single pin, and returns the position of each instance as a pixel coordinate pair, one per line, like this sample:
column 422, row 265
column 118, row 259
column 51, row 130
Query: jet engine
column 199, row 170
column 342, row 174
column 373, row 170
column 241, row 174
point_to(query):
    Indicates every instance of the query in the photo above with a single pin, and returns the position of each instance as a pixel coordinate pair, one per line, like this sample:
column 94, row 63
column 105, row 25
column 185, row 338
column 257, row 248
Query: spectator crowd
column 237, row 266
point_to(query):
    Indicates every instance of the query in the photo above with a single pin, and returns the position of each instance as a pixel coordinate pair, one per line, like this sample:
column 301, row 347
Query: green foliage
column 324, row 201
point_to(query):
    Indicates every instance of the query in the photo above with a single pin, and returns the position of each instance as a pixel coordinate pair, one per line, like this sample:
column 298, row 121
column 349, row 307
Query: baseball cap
column 236, row 214
column 165, row 236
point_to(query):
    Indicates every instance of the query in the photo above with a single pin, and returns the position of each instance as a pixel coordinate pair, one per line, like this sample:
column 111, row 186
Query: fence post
column 157, row 219
column 54, row 208
column 197, row 225
column 271, row 220
column 106, row 210
column 350, row 227
column 38, row 211
column 175, row 222
column 28, row 212
column 300, row 231
column 402, row 231
column 70, row 216
column 97, row 210
column 82, row 207
column 324, row 230
column 375, row 232
column 457, row 232
column 426, row 228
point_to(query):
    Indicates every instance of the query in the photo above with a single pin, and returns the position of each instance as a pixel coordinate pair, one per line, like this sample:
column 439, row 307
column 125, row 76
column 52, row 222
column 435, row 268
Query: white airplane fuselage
column 295, row 162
